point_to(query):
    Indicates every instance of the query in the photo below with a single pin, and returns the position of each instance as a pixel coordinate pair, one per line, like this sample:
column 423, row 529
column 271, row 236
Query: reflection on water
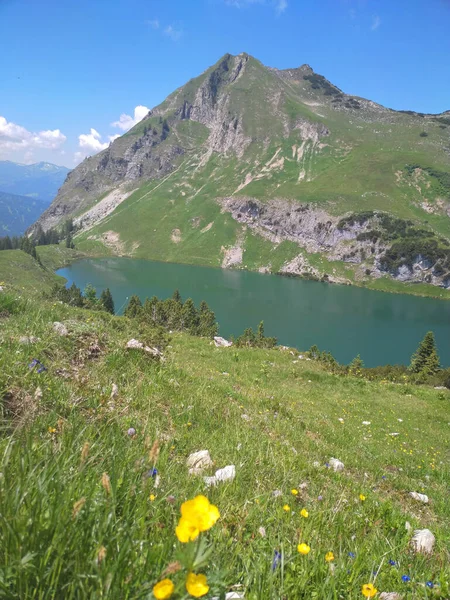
column 382, row 328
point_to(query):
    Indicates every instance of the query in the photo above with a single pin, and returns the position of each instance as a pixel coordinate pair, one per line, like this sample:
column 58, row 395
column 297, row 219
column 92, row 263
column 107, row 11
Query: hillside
column 39, row 181
column 89, row 502
column 248, row 166
column 17, row 213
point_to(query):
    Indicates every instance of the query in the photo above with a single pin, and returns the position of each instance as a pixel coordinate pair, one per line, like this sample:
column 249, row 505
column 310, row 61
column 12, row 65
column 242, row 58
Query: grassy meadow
column 89, row 503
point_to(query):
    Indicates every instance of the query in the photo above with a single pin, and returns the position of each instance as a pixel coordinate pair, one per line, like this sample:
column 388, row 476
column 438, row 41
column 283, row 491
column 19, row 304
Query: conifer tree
column 107, row 301
column 134, row 307
column 177, row 296
column 189, row 317
column 425, row 360
column 207, row 321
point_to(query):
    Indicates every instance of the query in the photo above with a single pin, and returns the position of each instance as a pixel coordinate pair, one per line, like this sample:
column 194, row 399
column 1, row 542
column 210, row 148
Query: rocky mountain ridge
column 283, row 140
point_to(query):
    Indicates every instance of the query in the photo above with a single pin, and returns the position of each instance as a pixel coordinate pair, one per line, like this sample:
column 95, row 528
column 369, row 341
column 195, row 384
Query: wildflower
column 85, row 451
column 101, row 554
column 368, row 590
column 406, row 578
column 303, row 549
column 152, row 473
column 276, row 560
column 154, row 452
column 329, row 557
column 262, row 532
column 170, row 499
column 304, row 513
column 392, row 563
column 430, row 584
column 362, row 497
column 152, row 497
column 352, row 554
column 77, row 507
column 52, row 430
column 106, row 483
column 320, row 498
column 294, row 492
column 189, row 424
column 163, row 589
column 131, row 432
column 196, row 585
column 196, row 515
column 172, row 567
column 286, row 507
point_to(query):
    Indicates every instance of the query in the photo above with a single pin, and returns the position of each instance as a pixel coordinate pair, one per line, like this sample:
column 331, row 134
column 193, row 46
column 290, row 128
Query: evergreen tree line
column 87, row 299
column 40, row 238
column 175, row 315
column 424, row 367
column 258, row 339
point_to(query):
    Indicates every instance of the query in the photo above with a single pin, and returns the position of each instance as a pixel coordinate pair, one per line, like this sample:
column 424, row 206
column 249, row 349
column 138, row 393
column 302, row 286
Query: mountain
column 41, row 180
column 17, row 213
column 253, row 167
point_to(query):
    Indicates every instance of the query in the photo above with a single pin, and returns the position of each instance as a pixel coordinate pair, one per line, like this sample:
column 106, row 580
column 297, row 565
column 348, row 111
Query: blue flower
column 352, row 554
column 41, row 369
column 319, row 498
column 392, row 563
column 276, row 560
column 154, row 472
column 33, row 363
column 406, row 578
column 430, row 584
column 383, row 477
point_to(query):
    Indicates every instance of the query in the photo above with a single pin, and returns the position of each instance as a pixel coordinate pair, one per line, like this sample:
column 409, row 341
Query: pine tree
column 260, row 334
column 134, row 307
column 189, row 317
column 425, row 359
column 356, row 365
column 207, row 321
column 69, row 241
column 177, row 296
column 107, row 301
column 90, row 294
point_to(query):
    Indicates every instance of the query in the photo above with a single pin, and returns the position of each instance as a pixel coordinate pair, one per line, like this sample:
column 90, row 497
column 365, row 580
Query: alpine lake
column 382, row 328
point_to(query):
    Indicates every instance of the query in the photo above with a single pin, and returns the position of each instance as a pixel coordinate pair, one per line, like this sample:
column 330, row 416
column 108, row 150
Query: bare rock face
column 423, row 541
column 221, row 342
column 198, row 462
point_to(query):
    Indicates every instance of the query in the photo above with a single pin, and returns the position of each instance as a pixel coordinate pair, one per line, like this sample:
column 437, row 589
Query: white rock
column 38, row 394
column 221, row 342
column 423, row 541
column 114, row 391
column 366, row 422
column 136, row 345
column 390, row 596
column 228, row 473
column 231, row 596
column 60, row 329
column 408, row 526
column 336, row 465
column 420, row 497
column 198, row 462
column 29, row 339
column 277, row 493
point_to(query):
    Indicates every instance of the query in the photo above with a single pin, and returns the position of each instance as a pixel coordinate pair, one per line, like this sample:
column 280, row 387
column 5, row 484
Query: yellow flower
column 152, row 497
column 163, row 589
column 329, row 556
column 196, row 515
column 362, row 497
column 197, row 585
column 303, row 548
column 294, row 492
column 368, row 590
column 51, row 430
column 304, row 513
column 286, row 507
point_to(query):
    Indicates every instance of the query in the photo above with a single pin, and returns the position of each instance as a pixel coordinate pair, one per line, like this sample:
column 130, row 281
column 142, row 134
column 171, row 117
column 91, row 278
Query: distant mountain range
column 253, row 167
column 25, row 192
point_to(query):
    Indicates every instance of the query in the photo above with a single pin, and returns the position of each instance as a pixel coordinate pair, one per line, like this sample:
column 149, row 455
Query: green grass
column 196, row 400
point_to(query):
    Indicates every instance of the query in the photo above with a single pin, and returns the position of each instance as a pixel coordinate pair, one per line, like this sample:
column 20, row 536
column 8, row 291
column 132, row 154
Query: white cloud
column 126, row 122
column 91, row 141
column 279, row 5
column 15, row 138
column 153, row 23
column 172, row 33
column 376, row 22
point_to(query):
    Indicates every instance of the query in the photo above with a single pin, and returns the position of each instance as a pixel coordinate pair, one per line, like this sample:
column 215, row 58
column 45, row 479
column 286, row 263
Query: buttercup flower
column 196, row 585
column 304, row 513
column 294, row 492
column 286, row 507
column 163, row 589
column 196, row 515
column 303, row 548
column 152, row 497
column 369, row 591
column 329, row 556
column 362, row 497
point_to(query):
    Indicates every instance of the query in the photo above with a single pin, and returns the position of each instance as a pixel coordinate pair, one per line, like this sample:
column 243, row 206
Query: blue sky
column 71, row 68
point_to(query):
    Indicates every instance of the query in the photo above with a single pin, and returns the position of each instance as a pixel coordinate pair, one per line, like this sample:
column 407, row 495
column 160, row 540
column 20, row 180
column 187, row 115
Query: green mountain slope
column 253, row 167
column 17, row 213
